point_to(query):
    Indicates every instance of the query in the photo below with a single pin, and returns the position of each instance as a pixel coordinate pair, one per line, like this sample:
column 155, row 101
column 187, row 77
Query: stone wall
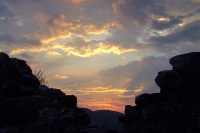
column 176, row 109
column 26, row 106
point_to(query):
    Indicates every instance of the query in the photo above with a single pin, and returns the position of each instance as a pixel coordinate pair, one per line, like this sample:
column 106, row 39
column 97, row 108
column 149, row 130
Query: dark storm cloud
column 188, row 33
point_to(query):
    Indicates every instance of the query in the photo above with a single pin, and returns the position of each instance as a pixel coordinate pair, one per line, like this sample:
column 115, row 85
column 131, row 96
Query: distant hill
column 106, row 118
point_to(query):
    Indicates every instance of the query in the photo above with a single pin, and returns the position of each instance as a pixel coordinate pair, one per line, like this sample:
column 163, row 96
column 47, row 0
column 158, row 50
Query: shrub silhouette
column 41, row 78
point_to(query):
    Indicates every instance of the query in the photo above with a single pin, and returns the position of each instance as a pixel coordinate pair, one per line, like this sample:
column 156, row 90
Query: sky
column 106, row 52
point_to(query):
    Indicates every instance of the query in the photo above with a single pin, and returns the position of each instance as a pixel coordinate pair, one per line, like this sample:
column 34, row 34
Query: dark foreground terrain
column 26, row 106
column 176, row 109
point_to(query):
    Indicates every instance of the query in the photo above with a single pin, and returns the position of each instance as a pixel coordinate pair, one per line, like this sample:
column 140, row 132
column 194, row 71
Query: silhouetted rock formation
column 28, row 107
column 176, row 109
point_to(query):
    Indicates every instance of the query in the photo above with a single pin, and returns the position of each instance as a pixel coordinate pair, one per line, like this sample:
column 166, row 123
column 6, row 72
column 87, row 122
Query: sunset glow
column 105, row 52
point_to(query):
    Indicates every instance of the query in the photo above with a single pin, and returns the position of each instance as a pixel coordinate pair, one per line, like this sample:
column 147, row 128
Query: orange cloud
column 18, row 51
column 61, row 77
column 78, row 1
column 119, row 25
column 76, row 49
column 196, row 0
column 126, row 96
column 93, row 29
column 52, row 54
column 51, row 28
column 102, row 90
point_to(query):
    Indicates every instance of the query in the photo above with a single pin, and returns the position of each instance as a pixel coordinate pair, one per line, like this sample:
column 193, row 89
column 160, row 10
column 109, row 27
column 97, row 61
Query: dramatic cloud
column 136, row 76
column 164, row 23
column 188, row 33
column 122, row 82
column 138, row 11
column 104, row 51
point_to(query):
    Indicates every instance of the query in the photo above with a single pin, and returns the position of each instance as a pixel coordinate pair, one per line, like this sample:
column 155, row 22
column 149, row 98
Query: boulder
column 38, row 127
column 18, row 111
column 7, row 68
column 9, row 130
column 169, row 80
column 48, row 112
column 186, row 63
column 68, row 100
column 192, row 82
column 29, row 80
column 142, row 99
column 172, row 125
column 8, row 87
column 24, row 68
column 1, row 120
column 17, row 90
column 131, row 111
column 156, row 111
column 43, row 88
column 54, row 93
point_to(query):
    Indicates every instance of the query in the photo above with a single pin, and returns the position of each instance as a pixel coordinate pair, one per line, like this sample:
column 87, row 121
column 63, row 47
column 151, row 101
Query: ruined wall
column 176, row 109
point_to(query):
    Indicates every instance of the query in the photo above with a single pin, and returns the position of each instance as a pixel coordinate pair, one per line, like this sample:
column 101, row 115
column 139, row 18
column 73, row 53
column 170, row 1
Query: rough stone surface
column 168, row 80
column 186, row 63
column 26, row 106
column 176, row 109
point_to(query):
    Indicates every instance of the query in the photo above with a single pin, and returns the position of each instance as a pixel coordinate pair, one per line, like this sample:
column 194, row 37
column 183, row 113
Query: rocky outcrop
column 26, row 106
column 176, row 109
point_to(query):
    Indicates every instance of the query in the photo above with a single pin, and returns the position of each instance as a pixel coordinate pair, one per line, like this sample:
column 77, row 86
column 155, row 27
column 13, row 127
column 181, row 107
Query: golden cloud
column 86, row 50
column 182, row 24
column 93, row 29
column 139, row 89
column 101, row 89
column 52, row 53
column 52, row 28
column 126, row 96
column 61, row 77
column 118, row 25
column 196, row 0
column 161, row 19
column 18, row 51
column 78, row 1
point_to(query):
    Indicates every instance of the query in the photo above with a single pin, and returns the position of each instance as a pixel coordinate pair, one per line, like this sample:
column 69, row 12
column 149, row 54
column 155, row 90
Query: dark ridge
column 106, row 118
